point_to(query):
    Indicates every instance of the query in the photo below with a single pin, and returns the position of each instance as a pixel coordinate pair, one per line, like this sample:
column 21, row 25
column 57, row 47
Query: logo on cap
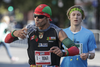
column 40, row 6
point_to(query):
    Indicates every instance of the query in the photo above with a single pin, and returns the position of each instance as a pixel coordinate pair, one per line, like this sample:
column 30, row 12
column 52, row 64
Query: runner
column 83, row 38
column 44, row 47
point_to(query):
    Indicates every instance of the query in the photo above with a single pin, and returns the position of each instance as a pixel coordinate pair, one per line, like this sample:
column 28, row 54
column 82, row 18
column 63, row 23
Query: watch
column 89, row 56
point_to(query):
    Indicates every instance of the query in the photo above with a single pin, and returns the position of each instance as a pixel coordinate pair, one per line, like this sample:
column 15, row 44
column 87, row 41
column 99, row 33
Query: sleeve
column 91, row 42
column 9, row 38
column 57, row 29
column 30, row 29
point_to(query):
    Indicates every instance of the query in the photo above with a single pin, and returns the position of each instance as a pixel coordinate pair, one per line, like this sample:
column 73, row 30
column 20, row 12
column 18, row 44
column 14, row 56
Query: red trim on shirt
column 9, row 38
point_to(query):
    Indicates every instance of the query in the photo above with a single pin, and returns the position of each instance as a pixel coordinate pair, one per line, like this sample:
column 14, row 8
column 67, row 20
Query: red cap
column 43, row 9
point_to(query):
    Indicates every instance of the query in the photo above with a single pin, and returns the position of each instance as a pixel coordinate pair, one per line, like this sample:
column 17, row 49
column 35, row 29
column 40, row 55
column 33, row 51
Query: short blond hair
column 5, row 19
column 76, row 6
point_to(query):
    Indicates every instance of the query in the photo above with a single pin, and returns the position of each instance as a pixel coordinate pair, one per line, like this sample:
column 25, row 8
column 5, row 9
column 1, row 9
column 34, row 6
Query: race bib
column 42, row 57
column 80, row 47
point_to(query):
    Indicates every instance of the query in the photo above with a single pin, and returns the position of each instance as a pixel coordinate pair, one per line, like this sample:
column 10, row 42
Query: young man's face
column 40, row 20
column 75, row 18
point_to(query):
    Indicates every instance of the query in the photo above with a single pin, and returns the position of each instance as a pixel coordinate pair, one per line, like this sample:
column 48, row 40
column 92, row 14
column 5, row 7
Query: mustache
column 37, row 21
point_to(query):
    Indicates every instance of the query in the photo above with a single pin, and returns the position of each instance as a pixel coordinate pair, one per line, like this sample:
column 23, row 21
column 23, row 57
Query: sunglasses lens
column 39, row 16
column 34, row 16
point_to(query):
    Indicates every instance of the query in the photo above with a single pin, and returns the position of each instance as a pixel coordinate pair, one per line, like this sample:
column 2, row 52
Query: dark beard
column 44, row 23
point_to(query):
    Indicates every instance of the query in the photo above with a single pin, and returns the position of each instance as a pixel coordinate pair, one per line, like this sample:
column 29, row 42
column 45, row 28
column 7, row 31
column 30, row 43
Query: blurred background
column 20, row 13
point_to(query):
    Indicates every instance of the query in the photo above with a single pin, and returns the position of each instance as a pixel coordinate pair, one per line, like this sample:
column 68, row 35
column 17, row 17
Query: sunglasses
column 39, row 16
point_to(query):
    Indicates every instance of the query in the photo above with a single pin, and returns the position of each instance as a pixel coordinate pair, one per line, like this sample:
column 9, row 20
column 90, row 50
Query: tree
column 27, row 5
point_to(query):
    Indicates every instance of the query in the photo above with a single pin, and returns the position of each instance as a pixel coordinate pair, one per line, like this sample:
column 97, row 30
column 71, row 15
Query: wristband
column 65, row 53
column 12, row 33
column 89, row 56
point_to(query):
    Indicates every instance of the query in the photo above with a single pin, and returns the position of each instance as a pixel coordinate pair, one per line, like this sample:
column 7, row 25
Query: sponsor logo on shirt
column 34, row 37
column 40, row 35
column 42, row 44
column 51, row 38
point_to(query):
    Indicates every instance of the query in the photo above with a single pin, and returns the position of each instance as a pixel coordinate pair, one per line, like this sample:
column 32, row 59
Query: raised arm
column 15, row 34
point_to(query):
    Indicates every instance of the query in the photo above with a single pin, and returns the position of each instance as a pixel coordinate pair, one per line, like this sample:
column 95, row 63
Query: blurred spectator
column 54, row 21
column 32, row 22
column 19, row 25
column 12, row 23
column 3, row 32
column 30, row 18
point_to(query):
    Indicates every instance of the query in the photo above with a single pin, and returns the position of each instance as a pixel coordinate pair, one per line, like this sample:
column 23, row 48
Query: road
column 21, row 53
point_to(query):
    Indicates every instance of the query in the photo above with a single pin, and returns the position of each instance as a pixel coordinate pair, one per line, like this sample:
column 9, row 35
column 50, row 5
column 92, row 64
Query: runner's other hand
column 56, row 51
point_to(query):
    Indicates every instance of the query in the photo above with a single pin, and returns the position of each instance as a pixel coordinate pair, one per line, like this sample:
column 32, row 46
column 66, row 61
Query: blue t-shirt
column 87, row 43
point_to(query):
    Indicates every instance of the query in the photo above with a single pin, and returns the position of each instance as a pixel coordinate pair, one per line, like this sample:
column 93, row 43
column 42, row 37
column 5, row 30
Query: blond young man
column 83, row 38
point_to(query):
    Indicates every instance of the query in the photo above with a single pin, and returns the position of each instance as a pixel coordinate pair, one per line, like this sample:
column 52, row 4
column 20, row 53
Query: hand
column 56, row 51
column 84, row 56
column 20, row 33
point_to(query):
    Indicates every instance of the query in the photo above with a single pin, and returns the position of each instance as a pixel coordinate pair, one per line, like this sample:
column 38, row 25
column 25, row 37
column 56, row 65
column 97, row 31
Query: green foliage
column 27, row 5
column 3, row 10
